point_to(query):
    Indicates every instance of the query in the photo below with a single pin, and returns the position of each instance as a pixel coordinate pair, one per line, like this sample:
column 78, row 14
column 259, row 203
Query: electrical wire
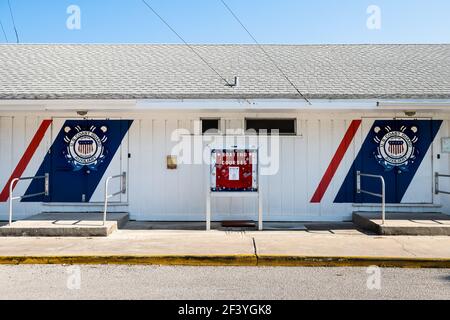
column 13, row 21
column 265, row 52
column 187, row 44
column 4, row 33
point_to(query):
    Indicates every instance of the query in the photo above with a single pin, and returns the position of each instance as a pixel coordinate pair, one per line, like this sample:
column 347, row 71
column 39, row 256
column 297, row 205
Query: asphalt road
column 157, row 282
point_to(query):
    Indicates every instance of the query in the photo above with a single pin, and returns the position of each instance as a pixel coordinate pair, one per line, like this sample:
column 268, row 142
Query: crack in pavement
column 404, row 248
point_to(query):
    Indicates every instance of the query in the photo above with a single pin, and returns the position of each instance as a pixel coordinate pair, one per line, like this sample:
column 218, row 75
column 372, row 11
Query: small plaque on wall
column 446, row 145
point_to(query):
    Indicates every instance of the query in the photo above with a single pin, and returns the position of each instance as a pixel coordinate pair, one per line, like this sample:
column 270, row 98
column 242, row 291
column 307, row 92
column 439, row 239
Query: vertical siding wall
column 156, row 193
column 16, row 132
column 443, row 167
column 160, row 194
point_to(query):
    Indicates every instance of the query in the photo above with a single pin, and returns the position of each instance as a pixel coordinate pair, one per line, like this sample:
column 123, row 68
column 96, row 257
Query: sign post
column 234, row 172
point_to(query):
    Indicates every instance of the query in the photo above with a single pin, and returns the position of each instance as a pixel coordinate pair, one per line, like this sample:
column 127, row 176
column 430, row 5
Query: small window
column 284, row 126
column 210, row 126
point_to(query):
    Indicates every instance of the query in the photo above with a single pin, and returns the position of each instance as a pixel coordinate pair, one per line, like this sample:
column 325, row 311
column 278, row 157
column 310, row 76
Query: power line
column 4, row 33
column 14, row 23
column 265, row 52
column 187, row 44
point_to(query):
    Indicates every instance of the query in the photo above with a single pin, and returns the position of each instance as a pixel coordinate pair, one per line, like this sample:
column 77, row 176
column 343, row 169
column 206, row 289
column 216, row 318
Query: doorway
column 400, row 150
column 83, row 154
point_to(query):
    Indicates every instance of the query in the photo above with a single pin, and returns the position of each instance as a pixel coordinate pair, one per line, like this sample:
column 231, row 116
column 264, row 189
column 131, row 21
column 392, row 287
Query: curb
column 167, row 260
column 231, row 260
column 356, row 261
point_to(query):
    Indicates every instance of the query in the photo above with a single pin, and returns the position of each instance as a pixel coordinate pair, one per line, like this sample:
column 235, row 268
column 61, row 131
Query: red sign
column 234, row 170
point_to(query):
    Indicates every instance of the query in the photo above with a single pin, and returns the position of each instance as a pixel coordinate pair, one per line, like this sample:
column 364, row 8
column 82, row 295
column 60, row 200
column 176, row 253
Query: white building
column 379, row 109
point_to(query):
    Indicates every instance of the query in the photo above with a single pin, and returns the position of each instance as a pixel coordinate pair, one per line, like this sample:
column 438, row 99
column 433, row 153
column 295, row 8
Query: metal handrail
column 383, row 191
column 437, row 175
column 13, row 183
column 123, row 190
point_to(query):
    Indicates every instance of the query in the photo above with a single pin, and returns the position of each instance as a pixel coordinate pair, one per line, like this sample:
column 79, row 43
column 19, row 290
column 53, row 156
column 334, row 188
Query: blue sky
column 207, row 21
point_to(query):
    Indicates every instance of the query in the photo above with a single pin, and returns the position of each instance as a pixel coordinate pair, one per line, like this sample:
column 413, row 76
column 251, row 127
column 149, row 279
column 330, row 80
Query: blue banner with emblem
column 394, row 149
column 78, row 159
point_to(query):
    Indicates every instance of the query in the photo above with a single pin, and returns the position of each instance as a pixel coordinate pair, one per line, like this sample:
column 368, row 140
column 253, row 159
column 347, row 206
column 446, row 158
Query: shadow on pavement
column 311, row 227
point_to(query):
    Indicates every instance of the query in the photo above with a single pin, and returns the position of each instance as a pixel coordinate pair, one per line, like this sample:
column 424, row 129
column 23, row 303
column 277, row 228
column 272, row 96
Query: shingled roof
column 57, row 71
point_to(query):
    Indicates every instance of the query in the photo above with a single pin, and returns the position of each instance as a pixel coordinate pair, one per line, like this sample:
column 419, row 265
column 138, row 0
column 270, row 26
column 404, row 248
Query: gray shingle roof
column 173, row 71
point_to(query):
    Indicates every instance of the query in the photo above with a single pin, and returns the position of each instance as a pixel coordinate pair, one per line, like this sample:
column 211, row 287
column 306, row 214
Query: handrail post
column 123, row 184
column 123, row 190
column 14, row 182
column 11, row 187
column 47, row 185
column 436, row 183
column 383, row 200
column 358, row 181
column 382, row 195
column 106, row 199
column 437, row 176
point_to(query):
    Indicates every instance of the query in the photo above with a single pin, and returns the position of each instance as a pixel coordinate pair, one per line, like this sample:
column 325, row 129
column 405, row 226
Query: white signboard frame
column 227, row 194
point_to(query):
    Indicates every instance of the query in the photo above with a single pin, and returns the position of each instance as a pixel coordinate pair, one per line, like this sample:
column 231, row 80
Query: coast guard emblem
column 85, row 148
column 396, row 148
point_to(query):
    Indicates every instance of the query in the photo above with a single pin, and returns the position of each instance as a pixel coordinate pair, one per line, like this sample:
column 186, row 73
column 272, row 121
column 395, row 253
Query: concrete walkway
column 321, row 247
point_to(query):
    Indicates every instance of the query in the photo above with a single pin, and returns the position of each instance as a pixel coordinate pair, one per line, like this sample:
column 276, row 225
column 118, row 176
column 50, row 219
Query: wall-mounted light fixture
column 172, row 162
column 410, row 113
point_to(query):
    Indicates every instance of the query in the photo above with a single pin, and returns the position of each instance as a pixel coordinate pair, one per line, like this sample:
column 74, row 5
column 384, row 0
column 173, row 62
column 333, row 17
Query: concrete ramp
column 65, row 225
column 404, row 223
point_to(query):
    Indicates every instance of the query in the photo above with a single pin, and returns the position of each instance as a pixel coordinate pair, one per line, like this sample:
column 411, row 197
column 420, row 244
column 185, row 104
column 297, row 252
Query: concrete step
column 74, row 224
column 404, row 223
column 400, row 208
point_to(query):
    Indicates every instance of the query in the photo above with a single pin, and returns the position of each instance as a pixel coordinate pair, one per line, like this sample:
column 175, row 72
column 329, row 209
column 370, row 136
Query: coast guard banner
column 78, row 159
column 394, row 149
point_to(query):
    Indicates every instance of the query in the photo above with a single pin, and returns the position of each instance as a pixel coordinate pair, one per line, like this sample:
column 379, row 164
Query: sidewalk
column 277, row 248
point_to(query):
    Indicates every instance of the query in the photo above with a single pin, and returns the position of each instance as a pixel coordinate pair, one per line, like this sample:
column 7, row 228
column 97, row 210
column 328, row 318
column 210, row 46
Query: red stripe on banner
column 26, row 158
column 336, row 161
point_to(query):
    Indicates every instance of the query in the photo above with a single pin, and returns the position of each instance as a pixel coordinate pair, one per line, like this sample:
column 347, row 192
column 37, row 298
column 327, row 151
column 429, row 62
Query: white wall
column 156, row 193
column 443, row 166
column 16, row 132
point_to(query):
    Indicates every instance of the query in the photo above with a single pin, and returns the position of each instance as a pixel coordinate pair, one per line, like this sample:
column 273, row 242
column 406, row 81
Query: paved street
column 156, row 282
